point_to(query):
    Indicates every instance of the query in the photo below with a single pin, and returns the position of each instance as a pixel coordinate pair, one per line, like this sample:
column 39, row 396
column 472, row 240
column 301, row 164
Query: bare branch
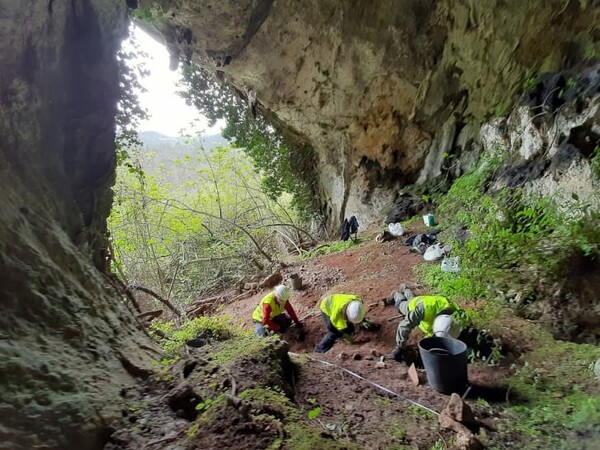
column 156, row 296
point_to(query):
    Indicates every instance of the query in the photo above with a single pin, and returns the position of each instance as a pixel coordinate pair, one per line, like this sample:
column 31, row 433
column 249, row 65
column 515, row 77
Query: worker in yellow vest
column 431, row 313
column 269, row 314
column 340, row 313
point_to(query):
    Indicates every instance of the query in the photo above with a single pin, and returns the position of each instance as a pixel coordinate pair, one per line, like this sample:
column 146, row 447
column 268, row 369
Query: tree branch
column 156, row 296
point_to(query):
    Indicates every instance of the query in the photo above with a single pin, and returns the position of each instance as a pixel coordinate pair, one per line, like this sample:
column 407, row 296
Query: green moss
column 211, row 328
column 331, row 248
column 557, row 394
column 209, row 414
column 306, row 437
column 237, row 347
column 274, row 398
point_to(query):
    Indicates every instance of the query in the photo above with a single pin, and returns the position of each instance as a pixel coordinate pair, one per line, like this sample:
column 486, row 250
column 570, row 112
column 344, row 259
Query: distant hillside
column 166, row 150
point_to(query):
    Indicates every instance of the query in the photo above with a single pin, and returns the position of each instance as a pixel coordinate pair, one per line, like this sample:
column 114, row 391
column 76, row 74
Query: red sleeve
column 290, row 310
column 267, row 318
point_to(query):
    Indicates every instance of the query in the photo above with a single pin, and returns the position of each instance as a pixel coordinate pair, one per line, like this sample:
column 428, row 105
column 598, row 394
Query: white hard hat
column 282, row 293
column 355, row 311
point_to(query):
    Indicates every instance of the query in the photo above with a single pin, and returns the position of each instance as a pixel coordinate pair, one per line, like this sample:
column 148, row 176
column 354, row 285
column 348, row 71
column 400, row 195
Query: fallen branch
column 121, row 288
column 203, row 301
column 156, row 296
column 378, row 386
column 150, row 315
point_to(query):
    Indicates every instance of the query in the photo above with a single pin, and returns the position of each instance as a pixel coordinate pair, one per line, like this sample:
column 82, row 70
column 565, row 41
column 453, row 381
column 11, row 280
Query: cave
column 69, row 345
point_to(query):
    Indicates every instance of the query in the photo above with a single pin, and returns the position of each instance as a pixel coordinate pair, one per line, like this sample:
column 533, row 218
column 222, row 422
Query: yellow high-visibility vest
column 276, row 308
column 333, row 307
column 434, row 304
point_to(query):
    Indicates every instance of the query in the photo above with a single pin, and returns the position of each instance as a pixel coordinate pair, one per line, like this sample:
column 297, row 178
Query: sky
column 168, row 112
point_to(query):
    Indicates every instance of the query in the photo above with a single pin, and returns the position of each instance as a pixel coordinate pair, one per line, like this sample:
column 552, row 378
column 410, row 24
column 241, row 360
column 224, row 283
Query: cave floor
column 354, row 414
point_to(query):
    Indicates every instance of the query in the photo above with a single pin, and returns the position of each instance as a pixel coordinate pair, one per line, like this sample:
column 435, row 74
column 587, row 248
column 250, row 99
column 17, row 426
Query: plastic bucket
column 429, row 220
column 296, row 282
column 445, row 362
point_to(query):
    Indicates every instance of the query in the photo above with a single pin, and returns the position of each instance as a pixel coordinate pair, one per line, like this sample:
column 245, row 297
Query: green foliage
column 530, row 82
column 455, row 285
column 557, row 398
column 190, row 239
column 285, row 165
column 438, row 445
column 516, row 238
column 314, row 413
column 150, row 15
column 331, row 248
column 129, row 112
column 209, row 327
column 421, row 413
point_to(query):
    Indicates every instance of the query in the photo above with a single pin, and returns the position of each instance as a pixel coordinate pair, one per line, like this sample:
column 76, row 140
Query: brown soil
column 372, row 270
column 354, row 413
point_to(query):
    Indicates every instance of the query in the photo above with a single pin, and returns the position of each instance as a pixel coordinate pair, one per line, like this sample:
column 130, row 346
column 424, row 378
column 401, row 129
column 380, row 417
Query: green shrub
column 211, row 328
column 331, row 248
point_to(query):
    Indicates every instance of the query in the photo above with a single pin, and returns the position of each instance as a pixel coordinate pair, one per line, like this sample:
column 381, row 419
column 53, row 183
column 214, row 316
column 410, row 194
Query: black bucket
column 445, row 362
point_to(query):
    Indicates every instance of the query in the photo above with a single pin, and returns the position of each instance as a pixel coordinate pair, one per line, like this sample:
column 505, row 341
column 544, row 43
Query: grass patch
column 559, row 399
column 210, row 328
column 331, row 248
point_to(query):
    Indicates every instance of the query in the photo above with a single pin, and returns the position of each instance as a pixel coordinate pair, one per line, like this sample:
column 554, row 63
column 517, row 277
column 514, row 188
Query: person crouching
column 269, row 315
column 340, row 313
column 432, row 314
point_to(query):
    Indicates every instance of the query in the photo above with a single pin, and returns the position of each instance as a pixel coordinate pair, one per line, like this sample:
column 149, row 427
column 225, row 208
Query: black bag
column 349, row 228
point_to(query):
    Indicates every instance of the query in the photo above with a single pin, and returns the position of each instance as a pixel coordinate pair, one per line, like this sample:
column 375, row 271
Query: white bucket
column 429, row 220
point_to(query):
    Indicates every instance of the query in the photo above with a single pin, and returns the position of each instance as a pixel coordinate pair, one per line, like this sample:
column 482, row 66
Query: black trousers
column 332, row 335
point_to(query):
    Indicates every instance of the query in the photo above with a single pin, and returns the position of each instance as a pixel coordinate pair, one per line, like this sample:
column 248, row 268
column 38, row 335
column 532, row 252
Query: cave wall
column 380, row 89
column 68, row 344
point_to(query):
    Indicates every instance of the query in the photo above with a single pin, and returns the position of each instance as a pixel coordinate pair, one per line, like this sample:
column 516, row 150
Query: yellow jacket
column 333, row 307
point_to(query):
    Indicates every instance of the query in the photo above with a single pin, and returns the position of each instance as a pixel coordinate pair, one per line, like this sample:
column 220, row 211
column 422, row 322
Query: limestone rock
column 466, row 441
column 458, row 410
column 382, row 94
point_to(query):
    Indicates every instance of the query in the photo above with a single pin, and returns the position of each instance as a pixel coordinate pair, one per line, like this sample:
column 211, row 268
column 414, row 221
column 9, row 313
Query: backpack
column 349, row 227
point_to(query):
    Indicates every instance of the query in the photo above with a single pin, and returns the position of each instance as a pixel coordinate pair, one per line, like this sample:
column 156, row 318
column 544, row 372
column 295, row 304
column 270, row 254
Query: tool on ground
column 378, row 386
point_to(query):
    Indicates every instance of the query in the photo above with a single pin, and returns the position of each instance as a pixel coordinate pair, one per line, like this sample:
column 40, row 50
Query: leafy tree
column 192, row 238
column 285, row 165
column 130, row 112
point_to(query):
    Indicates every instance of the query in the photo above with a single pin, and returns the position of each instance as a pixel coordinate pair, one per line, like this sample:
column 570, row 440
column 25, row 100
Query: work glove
column 347, row 338
column 367, row 325
column 398, row 354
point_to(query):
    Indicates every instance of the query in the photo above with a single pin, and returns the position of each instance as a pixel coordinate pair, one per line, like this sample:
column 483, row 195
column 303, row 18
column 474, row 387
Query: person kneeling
column 340, row 313
column 269, row 316
column 431, row 313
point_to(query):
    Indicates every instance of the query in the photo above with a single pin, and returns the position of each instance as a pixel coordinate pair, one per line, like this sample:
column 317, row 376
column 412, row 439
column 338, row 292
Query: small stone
column 375, row 353
column 458, row 410
column 413, row 375
column 343, row 356
column 467, row 441
column 357, row 357
column 558, row 395
column 380, row 365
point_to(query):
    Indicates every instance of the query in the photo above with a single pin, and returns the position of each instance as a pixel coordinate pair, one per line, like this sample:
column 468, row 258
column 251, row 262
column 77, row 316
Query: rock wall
column 380, row 89
column 68, row 345
column 548, row 145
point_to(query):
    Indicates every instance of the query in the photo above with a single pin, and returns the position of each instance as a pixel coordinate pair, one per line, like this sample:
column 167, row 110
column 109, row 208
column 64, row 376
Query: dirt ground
column 181, row 411
column 372, row 270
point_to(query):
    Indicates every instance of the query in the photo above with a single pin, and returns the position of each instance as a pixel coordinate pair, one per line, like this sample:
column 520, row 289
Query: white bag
column 396, row 229
column 433, row 252
column 450, row 264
